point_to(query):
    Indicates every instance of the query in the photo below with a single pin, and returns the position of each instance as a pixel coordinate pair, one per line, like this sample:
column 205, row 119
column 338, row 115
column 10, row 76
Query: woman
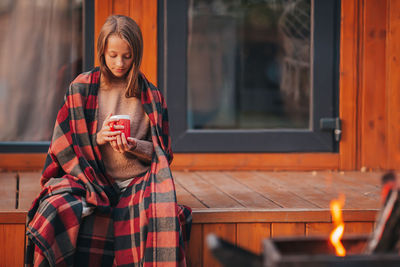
column 108, row 199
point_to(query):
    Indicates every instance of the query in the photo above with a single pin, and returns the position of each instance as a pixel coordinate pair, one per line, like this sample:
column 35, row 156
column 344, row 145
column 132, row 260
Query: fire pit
column 380, row 249
column 301, row 251
column 318, row 251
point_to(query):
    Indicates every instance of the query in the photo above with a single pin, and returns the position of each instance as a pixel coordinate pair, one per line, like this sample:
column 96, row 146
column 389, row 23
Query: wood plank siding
column 393, row 83
column 349, row 82
column 144, row 12
column 372, row 93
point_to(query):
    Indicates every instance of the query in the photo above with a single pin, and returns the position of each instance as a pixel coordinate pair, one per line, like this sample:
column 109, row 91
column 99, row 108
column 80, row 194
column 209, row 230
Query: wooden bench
column 241, row 206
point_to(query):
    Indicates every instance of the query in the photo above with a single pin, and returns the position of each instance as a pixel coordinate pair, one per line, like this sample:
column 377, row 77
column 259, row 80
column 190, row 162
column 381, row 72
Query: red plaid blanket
column 143, row 226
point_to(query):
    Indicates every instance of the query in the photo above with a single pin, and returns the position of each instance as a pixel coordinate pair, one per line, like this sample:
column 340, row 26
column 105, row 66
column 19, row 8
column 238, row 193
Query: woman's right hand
column 105, row 134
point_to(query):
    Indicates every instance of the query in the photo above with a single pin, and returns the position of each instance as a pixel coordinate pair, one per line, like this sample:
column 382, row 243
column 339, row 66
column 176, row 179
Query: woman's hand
column 123, row 144
column 105, row 134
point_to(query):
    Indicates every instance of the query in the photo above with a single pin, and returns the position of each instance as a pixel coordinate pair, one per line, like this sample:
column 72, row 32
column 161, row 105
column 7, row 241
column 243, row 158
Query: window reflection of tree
column 211, row 43
column 294, row 26
column 39, row 55
column 249, row 64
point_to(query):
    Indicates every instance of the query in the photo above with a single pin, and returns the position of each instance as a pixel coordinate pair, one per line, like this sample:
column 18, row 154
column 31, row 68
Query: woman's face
column 118, row 56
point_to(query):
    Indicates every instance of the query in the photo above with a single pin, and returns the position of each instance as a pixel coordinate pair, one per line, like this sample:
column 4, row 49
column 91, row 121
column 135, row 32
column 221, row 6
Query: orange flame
column 337, row 233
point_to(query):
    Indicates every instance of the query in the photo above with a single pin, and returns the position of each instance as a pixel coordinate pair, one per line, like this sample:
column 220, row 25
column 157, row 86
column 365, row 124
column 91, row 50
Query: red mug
column 122, row 120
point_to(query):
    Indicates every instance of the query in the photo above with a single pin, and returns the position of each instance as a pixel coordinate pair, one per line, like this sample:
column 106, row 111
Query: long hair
column 127, row 29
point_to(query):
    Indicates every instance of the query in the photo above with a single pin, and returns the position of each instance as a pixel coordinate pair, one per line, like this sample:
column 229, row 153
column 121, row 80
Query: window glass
column 40, row 53
column 249, row 64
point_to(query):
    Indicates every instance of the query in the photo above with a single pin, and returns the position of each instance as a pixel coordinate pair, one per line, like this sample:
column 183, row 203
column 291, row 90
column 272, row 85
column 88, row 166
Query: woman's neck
column 113, row 83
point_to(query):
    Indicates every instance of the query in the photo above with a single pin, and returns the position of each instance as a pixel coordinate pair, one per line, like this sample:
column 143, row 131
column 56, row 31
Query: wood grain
column 241, row 193
column 13, row 217
column 255, row 161
column 103, row 9
column 370, row 180
column 205, row 192
column 349, row 228
column 194, row 255
column 373, row 114
column 358, row 227
column 250, row 235
column 29, row 189
column 22, row 161
column 145, row 14
column 203, row 161
column 269, row 187
column 184, row 197
column 300, row 184
column 8, row 191
column 370, row 188
column 121, row 7
column 321, row 188
column 287, row 229
column 393, row 84
column 315, row 229
column 224, row 231
column 281, row 215
column 12, row 244
column 349, row 82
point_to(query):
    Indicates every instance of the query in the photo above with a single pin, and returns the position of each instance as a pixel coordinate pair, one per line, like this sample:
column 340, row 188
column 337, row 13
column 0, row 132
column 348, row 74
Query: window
column 42, row 49
column 250, row 76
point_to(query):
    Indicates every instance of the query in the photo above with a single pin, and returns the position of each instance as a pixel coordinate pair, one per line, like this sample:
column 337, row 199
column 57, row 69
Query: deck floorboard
column 242, row 194
column 238, row 190
column 8, row 191
column 273, row 190
column 29, row 188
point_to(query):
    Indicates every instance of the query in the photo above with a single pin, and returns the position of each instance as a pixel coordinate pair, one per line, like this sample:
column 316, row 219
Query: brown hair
column 127, row 29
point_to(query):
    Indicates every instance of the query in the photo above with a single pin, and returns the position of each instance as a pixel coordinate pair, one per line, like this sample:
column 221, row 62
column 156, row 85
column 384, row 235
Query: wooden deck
column 241, row 206
column 236, row 190
column 276, row 190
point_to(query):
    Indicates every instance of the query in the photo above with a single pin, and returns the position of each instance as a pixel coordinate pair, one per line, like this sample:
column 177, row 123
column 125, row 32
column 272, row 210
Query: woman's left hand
column 123, row 144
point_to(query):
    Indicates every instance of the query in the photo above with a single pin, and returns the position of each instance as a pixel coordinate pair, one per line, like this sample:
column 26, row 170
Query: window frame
column 172, row 79
column 87, row 64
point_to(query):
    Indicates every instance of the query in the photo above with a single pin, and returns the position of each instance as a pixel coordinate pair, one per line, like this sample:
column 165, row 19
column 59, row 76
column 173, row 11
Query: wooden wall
column 393, row 84
column 247, row 232
column 250, row 235
column 369, row 91
column 378, row 145
column 144, row 12
column 12, row 238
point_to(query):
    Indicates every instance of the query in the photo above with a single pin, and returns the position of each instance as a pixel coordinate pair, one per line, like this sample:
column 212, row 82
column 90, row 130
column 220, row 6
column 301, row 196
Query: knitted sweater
column 126, row 165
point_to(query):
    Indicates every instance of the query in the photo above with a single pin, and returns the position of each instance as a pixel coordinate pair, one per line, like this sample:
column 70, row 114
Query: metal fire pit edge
column 317, row 252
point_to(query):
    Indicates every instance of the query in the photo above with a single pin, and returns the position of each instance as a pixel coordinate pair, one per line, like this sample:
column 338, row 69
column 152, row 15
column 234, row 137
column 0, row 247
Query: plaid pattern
column 143, row 226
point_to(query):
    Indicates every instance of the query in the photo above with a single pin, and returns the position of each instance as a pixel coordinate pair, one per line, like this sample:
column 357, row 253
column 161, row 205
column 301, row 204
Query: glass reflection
column 40, row 53
column 249, row 64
